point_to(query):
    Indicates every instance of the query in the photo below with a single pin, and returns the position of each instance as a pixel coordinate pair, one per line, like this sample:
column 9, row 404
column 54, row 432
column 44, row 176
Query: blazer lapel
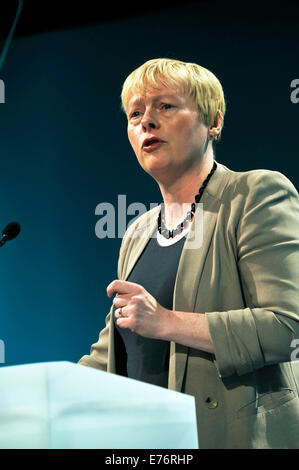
column 142, row 236
column 191, row 266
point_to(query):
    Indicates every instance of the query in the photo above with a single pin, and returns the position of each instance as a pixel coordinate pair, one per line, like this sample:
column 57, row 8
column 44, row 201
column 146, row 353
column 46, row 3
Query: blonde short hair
column 194, row 80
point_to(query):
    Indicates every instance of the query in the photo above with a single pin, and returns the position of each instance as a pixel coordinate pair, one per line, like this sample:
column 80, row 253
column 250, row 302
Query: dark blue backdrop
column 64, row 150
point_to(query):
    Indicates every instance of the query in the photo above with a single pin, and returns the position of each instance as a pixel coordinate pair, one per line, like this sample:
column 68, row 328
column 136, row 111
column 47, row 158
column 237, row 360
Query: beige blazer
column 245, row 277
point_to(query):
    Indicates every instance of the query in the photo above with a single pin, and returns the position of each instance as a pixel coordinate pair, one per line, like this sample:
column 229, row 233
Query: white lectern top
column 61, row 405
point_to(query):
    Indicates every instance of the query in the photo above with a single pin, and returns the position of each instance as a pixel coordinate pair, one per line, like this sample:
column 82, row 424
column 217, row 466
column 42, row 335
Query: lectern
column 61, row 405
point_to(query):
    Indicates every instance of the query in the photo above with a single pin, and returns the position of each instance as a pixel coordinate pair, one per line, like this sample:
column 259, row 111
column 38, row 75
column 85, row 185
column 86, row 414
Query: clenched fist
column 138, row 310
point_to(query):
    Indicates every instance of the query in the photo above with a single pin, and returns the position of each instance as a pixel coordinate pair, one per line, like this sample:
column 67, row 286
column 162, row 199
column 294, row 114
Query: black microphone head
column 11, row 230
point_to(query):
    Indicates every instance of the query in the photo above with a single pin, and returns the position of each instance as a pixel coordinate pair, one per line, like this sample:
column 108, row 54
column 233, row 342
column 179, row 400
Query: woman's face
column 172, row 120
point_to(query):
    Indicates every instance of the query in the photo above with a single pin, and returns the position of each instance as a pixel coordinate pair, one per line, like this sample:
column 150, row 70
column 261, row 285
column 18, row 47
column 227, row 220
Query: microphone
column 11, row 231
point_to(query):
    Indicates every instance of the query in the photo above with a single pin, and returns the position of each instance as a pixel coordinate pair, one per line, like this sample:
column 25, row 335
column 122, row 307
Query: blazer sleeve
column 267, row 245
column 98, row 357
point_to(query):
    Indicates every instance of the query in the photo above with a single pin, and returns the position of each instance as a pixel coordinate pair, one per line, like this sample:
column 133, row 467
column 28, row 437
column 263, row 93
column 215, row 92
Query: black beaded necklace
column 161, row 218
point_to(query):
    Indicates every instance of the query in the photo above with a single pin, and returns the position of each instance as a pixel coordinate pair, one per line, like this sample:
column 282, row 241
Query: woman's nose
column 149, row 121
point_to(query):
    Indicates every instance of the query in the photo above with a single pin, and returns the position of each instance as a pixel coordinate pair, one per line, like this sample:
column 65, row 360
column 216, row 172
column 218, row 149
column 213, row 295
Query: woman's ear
column 215, row 129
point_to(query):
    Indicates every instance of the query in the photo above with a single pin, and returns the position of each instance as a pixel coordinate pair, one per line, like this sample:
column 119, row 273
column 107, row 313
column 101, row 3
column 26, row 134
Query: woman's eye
column 167, row 106
column 135, row 114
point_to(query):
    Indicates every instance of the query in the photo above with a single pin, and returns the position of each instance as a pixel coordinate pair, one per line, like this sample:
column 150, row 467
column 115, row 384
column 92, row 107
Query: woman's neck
column 179, row 194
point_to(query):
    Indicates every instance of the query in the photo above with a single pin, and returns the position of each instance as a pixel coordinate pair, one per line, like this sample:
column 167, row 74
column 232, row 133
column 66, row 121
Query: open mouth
column 152, row 143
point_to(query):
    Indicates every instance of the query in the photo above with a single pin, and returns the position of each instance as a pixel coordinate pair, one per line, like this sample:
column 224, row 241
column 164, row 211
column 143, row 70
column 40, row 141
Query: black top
column 143, row 358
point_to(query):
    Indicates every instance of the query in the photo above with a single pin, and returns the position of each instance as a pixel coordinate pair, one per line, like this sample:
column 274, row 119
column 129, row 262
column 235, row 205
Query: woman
column 207, row 295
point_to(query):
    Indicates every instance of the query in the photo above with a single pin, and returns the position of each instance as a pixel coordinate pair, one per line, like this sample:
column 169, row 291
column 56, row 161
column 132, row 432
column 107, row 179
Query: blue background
column 64, row 150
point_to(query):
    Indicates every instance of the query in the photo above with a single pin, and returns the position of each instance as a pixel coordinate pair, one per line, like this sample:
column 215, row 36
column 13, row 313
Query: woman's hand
column 138, row 310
